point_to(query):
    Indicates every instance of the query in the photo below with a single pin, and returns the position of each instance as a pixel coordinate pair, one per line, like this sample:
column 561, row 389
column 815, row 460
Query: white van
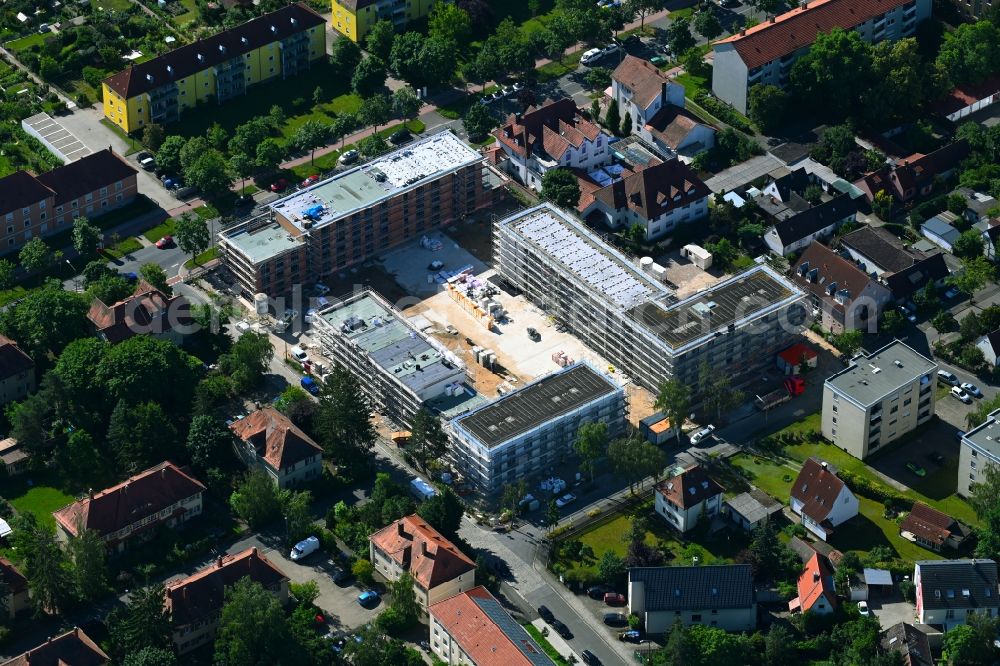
column 299, row 354
column 307, row 546
column 702, row 434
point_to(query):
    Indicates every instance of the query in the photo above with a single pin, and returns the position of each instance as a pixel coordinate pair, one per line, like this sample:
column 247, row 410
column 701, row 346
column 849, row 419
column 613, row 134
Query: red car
column 310, row 180
column 614, row 599
column 165, row 242
column 279, row 185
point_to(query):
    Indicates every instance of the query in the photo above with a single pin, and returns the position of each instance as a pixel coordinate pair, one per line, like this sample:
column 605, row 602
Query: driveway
column 892, row 610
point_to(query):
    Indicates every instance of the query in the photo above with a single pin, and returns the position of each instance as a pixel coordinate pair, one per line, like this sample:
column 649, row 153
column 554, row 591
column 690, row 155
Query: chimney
column 218, row 562
column 399, row 528
column 743, row 32
column 824, row 465
column 423, row 548
column 771, row 20
column 815, row 576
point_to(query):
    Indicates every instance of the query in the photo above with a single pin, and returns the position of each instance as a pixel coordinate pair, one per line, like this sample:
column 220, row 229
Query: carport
column 60, row 141
column 878, row 582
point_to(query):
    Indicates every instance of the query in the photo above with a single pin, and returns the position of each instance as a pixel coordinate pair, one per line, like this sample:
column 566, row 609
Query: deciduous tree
column 144, row 622
column 767, row 107
column 404, row 600
column 209, row 172
column 707, row 24
column 635, row 459
column 248, row 359
column 405, row 103
column 192, row 234
column 45, row 565
column 428, row 441
column 343, row 420
column 346, row 54
column 36, row 256
column 379, row 40
column 674, row 400
column 168, row 157
column 443, row 511
column 86, row 236
column 375, row 111
column 478, row 122
column 369, row 76
column 449, row 22
column 311, row 135
column 679, row 36
column 253, row 629
column 561, row 187
column 209, row 442
column 256, row 500
column 969, row 53
column 140, row 435
column 591, row 445
column 87, row 553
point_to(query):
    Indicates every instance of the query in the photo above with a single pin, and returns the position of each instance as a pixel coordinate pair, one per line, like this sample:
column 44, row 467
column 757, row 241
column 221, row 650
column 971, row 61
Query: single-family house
column 13, row 457
column 163, row 495
column 932, row 529
column 195, row 602
column 658, row 198
column 655, row 104
column 688, row 497
column 797, row 229
column 977, row 204
column 908, row 641
column 715, row 596
column 843, row 296
column 815, row 587
column 822, row 499
column 914, row 176
column 268, row 440
column 148, row 311
column 17, row 372
column 949, row 591
column 555, row 134
column 939, row 230
column 903, row 270
column 74, row 648
column 439, row 569
column 15, row 599
column 791, row 361
column 751, row 509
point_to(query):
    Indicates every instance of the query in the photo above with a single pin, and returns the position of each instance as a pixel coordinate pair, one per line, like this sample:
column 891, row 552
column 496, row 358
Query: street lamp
column 76, row 277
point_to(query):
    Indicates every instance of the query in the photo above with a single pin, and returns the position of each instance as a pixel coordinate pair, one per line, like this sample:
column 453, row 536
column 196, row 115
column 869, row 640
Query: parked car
column 565, row 499
column 368, row 598
column 321, row 289
column 400, row 136
column 304, row 548
column 310, row 385
column 545, row 614
column 702, row 434
column 958, row 392
column 348, row 157
column 598, row 591
column 615, row 619
column 631, row 636
column 340, row 575
column 936, row 457
column 517, row 86
column 947, row 378
column 863, row 608
column 590, row 658
column 299, row 354
column 310, row 180
column 130, row 276
column 959, row 434
column 562, row 629
column 972, row 390
column 534, row 334
column 164, row 242
column 908, row 313
column 611, row 48
column 279, row 185
column 729, row 4
column 591, row 56
column 916, row 469
column 435, row 265
column 952, row 292
column 614, row 599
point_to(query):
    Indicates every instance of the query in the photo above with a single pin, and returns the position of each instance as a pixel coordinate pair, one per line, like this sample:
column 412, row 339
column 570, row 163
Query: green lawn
column 545, row 645
column 39, row 500
column 870, row 528
column 554, row 70
column 114, row 5
column 191, row 14
column 206, row 212
column 293, row 95
column 123, row 247
column 692, row 84
column 25, row 43
column 204, row 257
column 165, row 228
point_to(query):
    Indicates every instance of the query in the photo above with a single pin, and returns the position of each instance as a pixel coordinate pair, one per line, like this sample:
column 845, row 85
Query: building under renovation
column 634, row 320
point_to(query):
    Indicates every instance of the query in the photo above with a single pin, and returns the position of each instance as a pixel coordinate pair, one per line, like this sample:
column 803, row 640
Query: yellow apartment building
column 217, row 69
column 354, row 18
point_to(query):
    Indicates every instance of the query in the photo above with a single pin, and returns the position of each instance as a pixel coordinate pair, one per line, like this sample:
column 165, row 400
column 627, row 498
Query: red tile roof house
column 845, row 296
column 553, row 135
column 32, row 206
column 655, row 103
column 815, row 586
column 473, row 628
column 148, row 311
column 822, row 499
column 915, row 175
column 161, row 495
column 659, row 198
column 74, row 648
column 268, row 440
column 439, row 569
column 17, row 598
column 932, row 529
column 194, row 602
column 17, row 372
column 765, row 53
column 683, row 500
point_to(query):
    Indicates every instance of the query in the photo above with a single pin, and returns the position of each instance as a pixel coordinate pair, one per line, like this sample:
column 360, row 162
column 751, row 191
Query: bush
column 874, row 490
column 363, row 571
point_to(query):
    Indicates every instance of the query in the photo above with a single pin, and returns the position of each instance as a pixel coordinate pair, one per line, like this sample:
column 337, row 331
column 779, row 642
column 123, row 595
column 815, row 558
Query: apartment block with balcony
column 349, row 218
column 532, row 430
column 41, row 205
column 878, row 398
column 765, row 53
column 635, row 321
column 354, row 18
column 219, row 68
column 130, row 512
column 399, row 368
column 980, row 448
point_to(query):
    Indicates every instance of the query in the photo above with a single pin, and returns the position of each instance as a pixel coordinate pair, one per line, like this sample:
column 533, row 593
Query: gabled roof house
column 821, row 498
column 815, row 587
column 948, row 591
column 267, row 439
column 74, row 648
column 148, row 311
column 715, row 595
column 932, row 529
column 683, row 499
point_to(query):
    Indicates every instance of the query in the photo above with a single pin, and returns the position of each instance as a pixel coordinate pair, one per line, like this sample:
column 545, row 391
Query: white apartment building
column 551, row 136
column 765, row 53
column 399, row 368
column 980, row 448
column 878, row 398
column 531, row 430
column 633, row 320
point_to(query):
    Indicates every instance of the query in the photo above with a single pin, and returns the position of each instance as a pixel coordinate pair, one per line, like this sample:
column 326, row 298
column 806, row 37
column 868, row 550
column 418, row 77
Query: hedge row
column 873, row 490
